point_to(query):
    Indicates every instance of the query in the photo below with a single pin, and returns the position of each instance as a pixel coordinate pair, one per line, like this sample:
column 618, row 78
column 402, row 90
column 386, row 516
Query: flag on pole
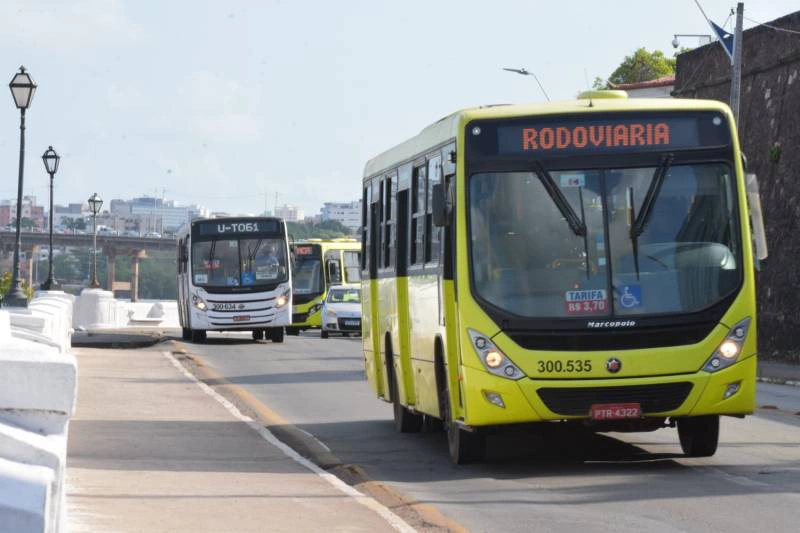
column 725, row 39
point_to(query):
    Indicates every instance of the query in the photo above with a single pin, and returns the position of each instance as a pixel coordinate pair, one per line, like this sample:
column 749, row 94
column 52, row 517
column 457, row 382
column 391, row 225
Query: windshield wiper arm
column 650, row 198
column 575, row 223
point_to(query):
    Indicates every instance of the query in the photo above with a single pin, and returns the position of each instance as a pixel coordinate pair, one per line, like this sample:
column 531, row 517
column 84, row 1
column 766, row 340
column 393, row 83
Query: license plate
column 616, row 411
column 224, row 307
column 241, row 318
column 352, row 322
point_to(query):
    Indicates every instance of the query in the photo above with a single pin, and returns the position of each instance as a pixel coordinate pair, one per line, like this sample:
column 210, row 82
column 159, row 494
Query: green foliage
column 26, row 223
column 5, row 286
column 642, row 66
column 330, row 229
column 599, row 83
column 775, row 152
column 74, row 223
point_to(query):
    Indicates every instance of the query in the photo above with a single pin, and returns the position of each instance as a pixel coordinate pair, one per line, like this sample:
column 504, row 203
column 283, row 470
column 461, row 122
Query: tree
column 640, row 66
column 26, row 223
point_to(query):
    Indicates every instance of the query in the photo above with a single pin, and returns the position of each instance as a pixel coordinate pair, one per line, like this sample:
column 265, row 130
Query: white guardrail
column 96, row 309
column 38, row 384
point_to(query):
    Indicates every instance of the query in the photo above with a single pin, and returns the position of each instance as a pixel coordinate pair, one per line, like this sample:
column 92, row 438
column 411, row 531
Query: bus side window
column 389, row 225
column 432, row 232
column 180, row 256
column 417, row 233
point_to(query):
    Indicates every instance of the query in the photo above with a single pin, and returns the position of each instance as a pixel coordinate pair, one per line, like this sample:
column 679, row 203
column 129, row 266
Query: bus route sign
column 227, row 227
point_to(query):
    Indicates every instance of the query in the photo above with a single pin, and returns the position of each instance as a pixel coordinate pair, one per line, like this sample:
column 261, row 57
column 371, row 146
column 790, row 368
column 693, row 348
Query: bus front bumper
column 531, row 400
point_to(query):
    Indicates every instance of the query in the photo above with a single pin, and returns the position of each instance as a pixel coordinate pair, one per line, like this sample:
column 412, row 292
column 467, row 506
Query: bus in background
column 318, row 264
column 234, row 275
column 586, row 262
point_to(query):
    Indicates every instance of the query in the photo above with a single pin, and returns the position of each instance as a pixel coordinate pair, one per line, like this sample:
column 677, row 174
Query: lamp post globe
column 22, row 89
column 95, row 203
column 50, row 159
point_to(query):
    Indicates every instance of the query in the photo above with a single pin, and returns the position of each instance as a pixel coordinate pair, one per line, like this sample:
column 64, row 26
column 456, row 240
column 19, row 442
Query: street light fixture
column 526, row 72
column 676, row 43
column 22, row 89
column 51, row 159
column 95, row 203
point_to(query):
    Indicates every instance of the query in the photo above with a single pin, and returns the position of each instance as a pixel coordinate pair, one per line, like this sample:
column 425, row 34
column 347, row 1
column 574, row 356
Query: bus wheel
column 276, row 334
column 258, row 334
column 404, row 420
column 198, row 335
column 186, row 334
column 323, row 334
column 464, row 446
column 293, row 331
column 699, row 435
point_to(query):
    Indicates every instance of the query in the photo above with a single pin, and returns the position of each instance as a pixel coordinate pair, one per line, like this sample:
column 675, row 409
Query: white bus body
column 234, row 275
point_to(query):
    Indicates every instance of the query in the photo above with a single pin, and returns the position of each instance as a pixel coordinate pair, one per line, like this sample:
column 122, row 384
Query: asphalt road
column 532, row 481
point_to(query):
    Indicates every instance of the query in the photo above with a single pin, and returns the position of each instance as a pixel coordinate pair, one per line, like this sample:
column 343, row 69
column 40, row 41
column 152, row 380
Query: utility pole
column 736, row 70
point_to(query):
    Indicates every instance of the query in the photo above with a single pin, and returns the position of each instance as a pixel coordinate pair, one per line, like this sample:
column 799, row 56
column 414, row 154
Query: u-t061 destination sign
column 229, row 227
column 583, row 134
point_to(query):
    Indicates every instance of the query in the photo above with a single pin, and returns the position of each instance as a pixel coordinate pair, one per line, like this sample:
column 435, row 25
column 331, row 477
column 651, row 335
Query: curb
column 116, row 341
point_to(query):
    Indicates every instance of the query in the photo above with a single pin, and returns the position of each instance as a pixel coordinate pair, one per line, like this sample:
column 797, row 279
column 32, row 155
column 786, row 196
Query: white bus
column 234, row 275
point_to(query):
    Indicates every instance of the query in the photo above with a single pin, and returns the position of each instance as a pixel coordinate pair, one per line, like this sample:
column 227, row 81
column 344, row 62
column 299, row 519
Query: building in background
column 348, row 213
column 30, row 211
column 290, row 213
column 658, row 88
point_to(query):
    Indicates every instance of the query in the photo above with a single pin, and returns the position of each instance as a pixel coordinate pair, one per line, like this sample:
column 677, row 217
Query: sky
column 228, row 103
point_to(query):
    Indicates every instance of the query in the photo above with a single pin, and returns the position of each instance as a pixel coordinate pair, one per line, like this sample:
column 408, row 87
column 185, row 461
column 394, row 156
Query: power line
column 770, row 26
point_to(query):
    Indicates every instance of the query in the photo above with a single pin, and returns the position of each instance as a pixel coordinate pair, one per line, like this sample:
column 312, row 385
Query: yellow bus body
column 308, row 314
column 408, row 318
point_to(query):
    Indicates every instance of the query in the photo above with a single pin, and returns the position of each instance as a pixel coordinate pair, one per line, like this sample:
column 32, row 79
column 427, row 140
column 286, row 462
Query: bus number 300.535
column 570, row 365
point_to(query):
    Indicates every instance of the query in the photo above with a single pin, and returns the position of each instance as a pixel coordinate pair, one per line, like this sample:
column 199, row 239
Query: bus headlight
column 314, row 308
column 493, row 358
column 729, row 349
column 283, row 299
column 199, row 302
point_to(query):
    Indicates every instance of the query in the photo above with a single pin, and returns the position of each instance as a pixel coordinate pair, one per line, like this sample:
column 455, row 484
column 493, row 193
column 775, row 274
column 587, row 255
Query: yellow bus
column 318, row 264
column 585, row 262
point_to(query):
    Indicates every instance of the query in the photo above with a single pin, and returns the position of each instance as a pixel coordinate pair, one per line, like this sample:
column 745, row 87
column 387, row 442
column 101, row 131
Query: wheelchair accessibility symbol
column 631, row 296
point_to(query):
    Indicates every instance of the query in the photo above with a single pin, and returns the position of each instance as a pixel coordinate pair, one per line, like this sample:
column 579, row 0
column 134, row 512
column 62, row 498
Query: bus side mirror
column 439, row 207
column 334, row 273
column 756, row 217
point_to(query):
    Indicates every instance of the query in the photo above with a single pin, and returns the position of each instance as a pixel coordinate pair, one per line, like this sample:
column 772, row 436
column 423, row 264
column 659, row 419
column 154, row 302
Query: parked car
column 152, row 235
column 341, row 312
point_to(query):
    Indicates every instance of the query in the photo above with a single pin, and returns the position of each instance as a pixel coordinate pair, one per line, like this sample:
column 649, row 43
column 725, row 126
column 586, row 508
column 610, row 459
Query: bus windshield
column 528, row 261
column 230, row 262
column 350, row 296
column 307, row 271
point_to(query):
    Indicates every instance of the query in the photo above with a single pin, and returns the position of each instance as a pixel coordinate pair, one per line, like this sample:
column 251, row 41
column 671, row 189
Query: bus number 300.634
column 570, row 365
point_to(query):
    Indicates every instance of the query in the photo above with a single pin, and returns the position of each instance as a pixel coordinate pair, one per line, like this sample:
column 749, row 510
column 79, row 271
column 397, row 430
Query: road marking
column 395, row 521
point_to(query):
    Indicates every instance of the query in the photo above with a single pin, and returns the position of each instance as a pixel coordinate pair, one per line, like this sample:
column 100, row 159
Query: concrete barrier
column 96, row 309
column 38, row 385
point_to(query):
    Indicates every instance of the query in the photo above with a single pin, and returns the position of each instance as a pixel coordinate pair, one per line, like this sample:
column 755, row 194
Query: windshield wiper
column 640, row 221
column 575, row 223
column 650, row 198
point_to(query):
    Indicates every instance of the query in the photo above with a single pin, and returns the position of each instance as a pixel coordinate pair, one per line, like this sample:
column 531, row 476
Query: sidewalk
column 150, row 451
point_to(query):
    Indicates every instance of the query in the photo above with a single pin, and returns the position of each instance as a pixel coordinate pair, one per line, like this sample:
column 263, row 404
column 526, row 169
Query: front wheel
column 323, row 334
column 186, row 334
column 404, row 420
column 293, row 331
column 464, row 446
column 276, row 334
column 258, row 334
column 198, row 335
column 699, row 435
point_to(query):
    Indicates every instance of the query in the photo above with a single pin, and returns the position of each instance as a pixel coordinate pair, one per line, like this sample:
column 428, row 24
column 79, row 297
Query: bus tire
column 293, row 331
column 464, row 446
column 699, row 435
column 323, row 334
column 275, row 334
column 405, row 421
column 198, row 335
column 258, row 334
column 186, row 334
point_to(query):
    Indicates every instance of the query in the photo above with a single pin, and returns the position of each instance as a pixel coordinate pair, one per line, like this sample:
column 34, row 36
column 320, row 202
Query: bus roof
column 447, row 128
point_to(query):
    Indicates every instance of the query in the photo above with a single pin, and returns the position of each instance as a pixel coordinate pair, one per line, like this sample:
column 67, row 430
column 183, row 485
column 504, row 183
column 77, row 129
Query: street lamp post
column 22, row 89
column 51, row 159
column 95, row 203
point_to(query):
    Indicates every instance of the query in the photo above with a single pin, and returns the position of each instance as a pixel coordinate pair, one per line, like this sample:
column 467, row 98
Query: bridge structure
column 111, row 246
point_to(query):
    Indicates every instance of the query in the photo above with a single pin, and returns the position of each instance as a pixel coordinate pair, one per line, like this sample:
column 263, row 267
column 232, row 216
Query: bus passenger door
column 405, row 374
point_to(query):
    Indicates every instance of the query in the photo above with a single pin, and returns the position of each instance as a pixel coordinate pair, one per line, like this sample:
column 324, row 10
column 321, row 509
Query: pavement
column 151, row 449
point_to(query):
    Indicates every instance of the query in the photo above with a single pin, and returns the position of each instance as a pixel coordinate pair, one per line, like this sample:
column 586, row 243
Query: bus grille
column 578, row 401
